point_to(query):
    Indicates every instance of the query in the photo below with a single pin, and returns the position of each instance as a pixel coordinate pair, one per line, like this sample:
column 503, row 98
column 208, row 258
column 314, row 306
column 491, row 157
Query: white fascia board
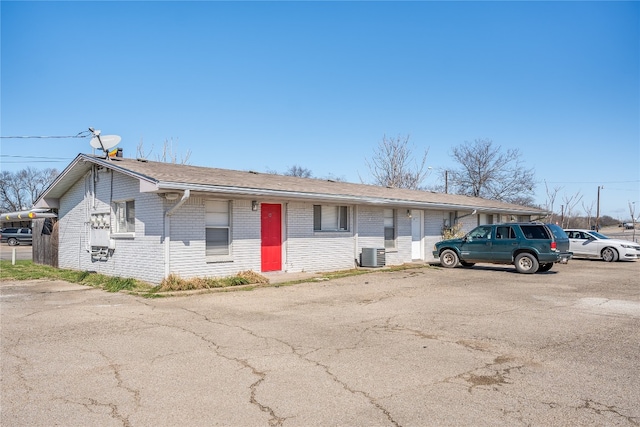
column 148, row 186
column 48, row 203
column 334, row 198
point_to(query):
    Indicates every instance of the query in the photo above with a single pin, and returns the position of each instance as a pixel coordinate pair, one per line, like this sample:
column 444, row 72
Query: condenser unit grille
column 372, row 257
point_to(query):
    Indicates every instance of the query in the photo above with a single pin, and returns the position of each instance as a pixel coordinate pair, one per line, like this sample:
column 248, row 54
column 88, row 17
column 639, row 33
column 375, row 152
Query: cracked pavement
column 482, row 347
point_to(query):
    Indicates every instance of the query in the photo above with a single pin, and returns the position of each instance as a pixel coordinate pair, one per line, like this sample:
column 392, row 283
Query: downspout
column 167, row 232
column 356, row 235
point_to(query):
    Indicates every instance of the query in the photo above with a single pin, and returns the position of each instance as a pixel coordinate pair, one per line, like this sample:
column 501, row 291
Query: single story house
column 137, row 218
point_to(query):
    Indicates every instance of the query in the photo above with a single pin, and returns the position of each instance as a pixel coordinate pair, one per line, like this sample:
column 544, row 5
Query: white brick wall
column 434, row 222
column 139, row 257
column 188, row 258
column 72, row 227
column 143, row 256
column 309, row 250
column 371, row 233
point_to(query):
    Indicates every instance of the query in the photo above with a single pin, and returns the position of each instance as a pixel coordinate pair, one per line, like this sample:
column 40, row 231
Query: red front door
column 271, row 237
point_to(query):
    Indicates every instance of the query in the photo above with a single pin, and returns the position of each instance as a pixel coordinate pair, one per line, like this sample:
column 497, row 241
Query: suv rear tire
column 526, row 263
column 449, row 258
column 545, row 267
column 12, row 241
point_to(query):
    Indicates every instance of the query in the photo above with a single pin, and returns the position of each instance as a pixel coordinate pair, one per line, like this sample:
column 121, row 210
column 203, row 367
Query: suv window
column 505, row 232
column 482, row 232
column 557, row 231
column 535, row 232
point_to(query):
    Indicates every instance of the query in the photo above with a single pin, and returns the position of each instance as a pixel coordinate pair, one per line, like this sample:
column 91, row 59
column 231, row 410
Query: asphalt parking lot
column 477, row 347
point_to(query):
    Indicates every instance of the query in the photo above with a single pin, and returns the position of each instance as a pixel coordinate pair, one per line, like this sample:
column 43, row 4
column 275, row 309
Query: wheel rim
column 448, row 258
column 607, row 255
column 525, row 263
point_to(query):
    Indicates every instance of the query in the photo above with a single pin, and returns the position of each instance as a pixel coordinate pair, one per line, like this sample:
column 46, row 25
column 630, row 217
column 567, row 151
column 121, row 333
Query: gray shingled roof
column 163, row 177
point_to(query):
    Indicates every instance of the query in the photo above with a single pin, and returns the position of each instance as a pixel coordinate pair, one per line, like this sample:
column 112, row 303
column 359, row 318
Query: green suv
column 531, row 247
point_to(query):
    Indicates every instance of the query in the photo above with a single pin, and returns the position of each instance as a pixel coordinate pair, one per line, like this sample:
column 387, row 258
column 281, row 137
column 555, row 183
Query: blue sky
column 268, row 85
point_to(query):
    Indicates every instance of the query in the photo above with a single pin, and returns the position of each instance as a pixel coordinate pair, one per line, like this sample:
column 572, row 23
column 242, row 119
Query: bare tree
column 588, row 209
column 18, row 190
column 298, row 171
column 570, row 202
column 393, row 164
column 167, row 154
column 485, row 171
column 551, row 199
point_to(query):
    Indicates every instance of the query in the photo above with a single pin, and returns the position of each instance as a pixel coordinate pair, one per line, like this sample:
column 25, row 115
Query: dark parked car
column 16, row 236
column 530, row 247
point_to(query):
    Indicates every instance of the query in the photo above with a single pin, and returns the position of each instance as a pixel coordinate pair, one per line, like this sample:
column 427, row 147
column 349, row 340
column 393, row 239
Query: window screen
column 330, row 218
column 217, row 227
column 389, row 228
column 125, row 217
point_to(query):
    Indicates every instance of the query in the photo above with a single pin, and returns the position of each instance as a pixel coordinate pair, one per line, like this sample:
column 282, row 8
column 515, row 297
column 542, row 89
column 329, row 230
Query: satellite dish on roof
column 104, row 142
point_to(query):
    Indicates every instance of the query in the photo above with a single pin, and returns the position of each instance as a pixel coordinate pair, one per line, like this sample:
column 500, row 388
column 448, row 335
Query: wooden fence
column 45, row 241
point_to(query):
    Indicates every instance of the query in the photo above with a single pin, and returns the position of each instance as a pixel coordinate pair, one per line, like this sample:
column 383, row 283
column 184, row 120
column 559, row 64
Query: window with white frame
column 125, row 217
column 217, row 228
column 389, row 228
column 330, row 218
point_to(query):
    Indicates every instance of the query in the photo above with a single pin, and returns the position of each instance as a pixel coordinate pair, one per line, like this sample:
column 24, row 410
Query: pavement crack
column 601, row 409
column 275, row 420
column 346, row 386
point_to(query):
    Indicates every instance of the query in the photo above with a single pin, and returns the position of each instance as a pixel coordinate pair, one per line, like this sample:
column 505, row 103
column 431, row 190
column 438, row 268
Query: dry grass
column 176, row 283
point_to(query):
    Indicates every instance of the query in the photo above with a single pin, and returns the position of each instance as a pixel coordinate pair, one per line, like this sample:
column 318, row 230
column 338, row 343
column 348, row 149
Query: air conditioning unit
column 372, row 257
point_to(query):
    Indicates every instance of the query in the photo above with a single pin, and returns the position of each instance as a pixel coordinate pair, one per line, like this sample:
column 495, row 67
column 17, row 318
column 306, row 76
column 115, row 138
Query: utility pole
column 446, row 182
column 598, row 209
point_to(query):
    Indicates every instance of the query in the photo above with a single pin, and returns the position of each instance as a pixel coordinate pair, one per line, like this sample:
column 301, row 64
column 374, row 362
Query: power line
column 82, row 134
column 592, row 182
column 36, row 161
column 35, row 157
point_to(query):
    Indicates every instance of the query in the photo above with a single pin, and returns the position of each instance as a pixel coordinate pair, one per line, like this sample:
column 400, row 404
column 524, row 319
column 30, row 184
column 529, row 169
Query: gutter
column 167, row 231
column 298, row 195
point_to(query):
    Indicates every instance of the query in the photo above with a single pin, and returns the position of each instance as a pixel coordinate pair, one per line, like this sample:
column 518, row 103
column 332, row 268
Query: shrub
column 253, row 277
column 176, row 283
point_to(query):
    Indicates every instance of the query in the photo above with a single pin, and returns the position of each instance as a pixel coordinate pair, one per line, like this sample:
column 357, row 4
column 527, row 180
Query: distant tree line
column 19, row 190
column 302, row 172
column 483, row 170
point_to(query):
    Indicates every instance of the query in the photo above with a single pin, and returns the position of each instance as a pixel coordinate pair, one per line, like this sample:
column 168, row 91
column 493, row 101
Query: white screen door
column 416, row 234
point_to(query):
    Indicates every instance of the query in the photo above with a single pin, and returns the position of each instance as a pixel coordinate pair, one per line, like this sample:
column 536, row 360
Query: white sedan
column 591, row 244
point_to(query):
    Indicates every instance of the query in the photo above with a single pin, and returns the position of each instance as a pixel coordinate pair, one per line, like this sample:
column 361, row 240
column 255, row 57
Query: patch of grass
column 117, row 284
column 176, row 283
column 27, row 270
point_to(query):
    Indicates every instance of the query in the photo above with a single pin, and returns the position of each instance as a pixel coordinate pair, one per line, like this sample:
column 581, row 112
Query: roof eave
column 50, row 198
column 336, row 198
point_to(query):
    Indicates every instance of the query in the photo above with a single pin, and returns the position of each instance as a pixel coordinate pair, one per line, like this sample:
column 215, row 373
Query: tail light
column 554, row 246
